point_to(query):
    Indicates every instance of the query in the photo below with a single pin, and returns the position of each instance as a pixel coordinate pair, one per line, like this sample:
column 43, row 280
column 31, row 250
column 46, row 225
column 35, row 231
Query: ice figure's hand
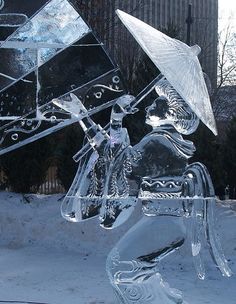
column 80, row 107
column 73, row 106
column 123, row 106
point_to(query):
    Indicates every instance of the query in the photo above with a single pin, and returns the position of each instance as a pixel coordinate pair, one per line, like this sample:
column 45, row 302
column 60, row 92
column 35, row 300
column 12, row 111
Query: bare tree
column 227, row 57
column 224, row 95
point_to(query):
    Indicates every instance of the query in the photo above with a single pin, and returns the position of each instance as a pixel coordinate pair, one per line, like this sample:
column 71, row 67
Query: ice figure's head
column 156, row 113
column 177, row 113
column 1, row 4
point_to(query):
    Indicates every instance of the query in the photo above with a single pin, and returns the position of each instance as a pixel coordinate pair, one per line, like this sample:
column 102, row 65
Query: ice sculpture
column 48, row 53
column 166, row 186
column 113, row 176
column 64, row 75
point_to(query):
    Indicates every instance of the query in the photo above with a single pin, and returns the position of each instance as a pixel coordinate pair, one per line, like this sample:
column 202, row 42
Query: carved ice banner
column 51, row 54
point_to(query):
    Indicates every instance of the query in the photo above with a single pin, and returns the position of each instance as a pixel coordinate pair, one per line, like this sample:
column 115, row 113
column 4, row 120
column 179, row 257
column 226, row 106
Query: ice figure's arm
column 93, row 132
column 96, row 134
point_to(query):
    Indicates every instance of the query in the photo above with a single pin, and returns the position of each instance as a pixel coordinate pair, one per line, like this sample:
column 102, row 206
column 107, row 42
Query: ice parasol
column 177, row 62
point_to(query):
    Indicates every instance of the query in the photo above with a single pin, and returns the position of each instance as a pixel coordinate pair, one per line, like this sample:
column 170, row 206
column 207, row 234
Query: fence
column 51, row 184
column 2, row 179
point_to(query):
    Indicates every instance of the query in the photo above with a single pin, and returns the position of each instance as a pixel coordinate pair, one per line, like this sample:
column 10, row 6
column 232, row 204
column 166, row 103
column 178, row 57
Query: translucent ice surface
column 114, row 176
column 50, row 53
column 52, row 29
column 178, row 63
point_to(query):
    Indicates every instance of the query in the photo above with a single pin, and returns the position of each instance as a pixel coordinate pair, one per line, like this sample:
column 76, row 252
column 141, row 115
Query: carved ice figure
column 167, row 187
column 170, row 189
column 101, row 179
column 90, row 187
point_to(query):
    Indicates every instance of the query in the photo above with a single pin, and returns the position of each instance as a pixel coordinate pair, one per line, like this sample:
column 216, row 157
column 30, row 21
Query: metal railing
column 51, row 185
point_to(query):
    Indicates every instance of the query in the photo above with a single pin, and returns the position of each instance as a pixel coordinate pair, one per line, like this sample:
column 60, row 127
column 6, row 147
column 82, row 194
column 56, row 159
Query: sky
column 227, row 8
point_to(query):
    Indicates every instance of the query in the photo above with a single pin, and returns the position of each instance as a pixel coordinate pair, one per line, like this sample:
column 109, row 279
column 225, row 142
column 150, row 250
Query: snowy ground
column 45, row 259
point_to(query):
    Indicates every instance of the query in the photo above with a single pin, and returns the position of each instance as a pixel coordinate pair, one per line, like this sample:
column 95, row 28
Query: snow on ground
column 45, row 259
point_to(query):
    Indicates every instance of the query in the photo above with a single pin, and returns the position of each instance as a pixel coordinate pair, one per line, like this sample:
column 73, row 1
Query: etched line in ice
column 196, row 247
column 30, row 45
column 9, row 118
column 1, row 4
column 12, row 19
column 92, row 44
column 39, row 45
column 38, row 136
column 12, row 78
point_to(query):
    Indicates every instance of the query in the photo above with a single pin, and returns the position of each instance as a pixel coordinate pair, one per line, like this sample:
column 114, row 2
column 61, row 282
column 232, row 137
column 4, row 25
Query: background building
column 160, row 14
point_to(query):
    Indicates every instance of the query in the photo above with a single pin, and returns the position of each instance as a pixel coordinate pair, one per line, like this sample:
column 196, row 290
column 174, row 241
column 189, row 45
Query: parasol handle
column 146, row 91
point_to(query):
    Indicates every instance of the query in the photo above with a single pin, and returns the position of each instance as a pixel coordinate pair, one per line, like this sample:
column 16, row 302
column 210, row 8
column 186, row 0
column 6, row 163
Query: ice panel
column 95, row 95
column 15, row 63
column 25, row 131
column 68, row 71
column 58, row 23
column 19, row 98
column 49, row 118
column 13, row 13
column 72, row 68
